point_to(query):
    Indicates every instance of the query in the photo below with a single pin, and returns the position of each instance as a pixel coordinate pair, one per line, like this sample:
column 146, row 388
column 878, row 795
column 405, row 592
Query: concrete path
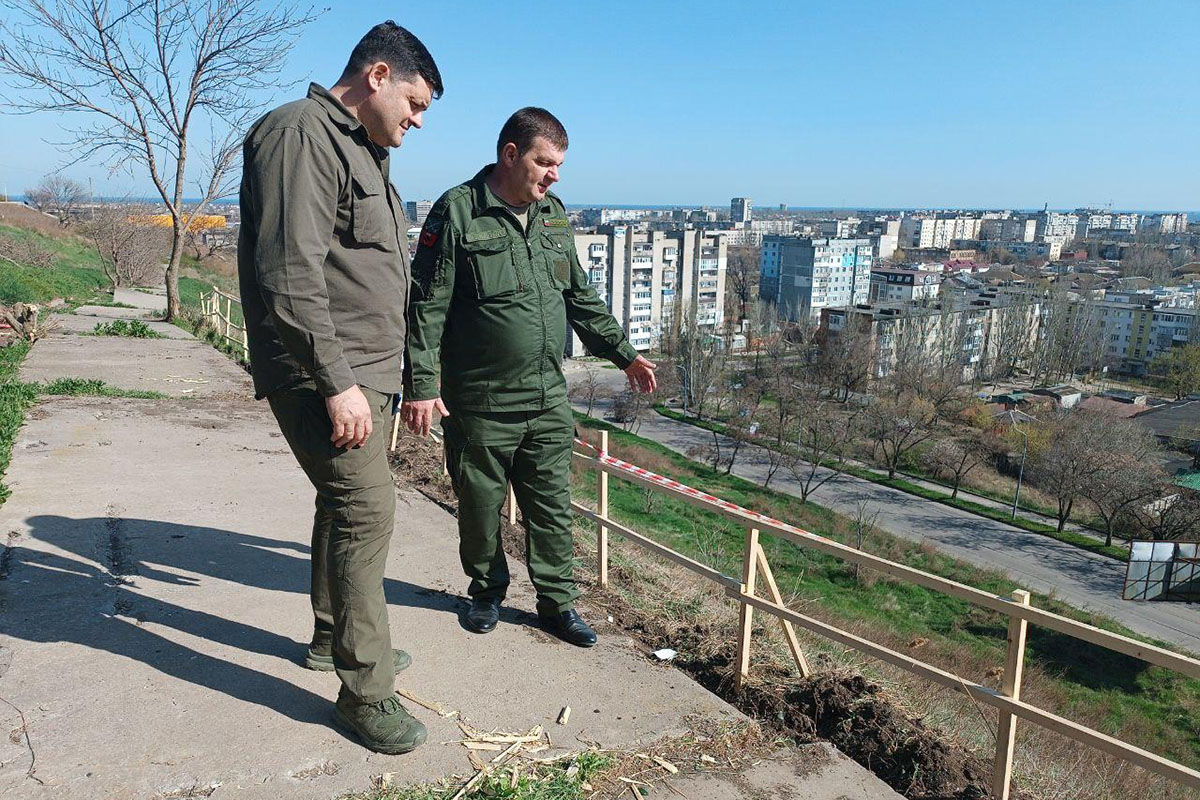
column 1078, row 577
column 153, row 610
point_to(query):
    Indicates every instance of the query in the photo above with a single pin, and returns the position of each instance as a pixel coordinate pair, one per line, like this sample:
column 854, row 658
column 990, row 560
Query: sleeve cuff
column 335, row 379
column 623, row 355
column 422, row 390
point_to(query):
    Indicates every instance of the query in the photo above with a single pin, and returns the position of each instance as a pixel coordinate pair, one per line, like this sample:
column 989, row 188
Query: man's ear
column 509, row 154
column 378, row 74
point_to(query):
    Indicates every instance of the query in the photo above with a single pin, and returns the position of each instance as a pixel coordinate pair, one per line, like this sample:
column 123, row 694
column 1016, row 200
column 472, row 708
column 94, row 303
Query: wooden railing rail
column 1017, row 608
column 221, row 321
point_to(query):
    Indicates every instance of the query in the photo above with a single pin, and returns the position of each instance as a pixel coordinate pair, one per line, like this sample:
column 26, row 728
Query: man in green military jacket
column 495, row 282
column 323, row 266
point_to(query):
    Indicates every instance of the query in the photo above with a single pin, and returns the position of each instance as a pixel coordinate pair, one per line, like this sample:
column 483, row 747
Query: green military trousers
column 485, row 450
column 352, row 528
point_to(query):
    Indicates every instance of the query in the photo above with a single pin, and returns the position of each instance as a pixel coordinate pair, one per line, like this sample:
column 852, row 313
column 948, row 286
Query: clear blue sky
column 890, row 104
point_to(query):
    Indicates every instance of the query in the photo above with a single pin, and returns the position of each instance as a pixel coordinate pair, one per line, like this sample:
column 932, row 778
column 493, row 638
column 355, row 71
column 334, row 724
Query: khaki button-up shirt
column 322, row 251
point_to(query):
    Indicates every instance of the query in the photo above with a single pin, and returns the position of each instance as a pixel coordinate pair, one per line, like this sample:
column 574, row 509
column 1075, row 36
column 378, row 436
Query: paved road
column 1083, row 579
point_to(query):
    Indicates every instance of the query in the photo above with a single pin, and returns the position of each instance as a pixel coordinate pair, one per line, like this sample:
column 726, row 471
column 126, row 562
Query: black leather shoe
column 570, row 627
column 483, row 615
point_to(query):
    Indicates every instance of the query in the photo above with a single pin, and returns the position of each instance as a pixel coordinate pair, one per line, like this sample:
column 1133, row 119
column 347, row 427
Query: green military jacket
column 322, row 251
column 490, row 304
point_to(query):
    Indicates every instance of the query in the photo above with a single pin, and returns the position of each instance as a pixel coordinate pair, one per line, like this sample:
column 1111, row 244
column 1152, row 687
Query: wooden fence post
column 246, row 344
column 512, row 506
column 228, row 317
column 746, row 616
column 1006, row 734
column 602, row 510
column 789, row 632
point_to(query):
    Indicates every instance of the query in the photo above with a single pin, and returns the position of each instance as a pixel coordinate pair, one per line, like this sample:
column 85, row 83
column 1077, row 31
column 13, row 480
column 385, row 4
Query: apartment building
column 741, row 210
column 418, row 210
column 1050, row 249
column 938, row 230
column 1059, row 227
column 1016, row 229
column 648, row 277
column 1135, row 330
column 803, row 275
column 1166, row 224
column 976, row 331
column 897, row 285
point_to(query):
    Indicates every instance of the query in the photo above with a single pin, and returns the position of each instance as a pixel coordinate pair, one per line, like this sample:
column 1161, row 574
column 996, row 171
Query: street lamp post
column 1021, row 471
column 685, row 388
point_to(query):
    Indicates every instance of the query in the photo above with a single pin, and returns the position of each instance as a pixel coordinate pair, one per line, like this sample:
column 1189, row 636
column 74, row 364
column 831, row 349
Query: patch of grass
column 91, row 387
column 133, row 329
column 1069, row 537
column 1153, row 707
column 74, row 272
column 16, row 398
column 565, row 779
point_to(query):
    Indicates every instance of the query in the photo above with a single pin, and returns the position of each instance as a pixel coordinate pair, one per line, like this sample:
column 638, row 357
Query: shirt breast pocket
column 370, row 216
column 491, row 264
column 557, row 247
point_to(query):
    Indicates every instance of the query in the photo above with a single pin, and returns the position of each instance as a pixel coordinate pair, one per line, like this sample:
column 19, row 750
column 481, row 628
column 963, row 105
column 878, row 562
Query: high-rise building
column 418, row 210
column 802, row 276
column 741, row 210
column 647, row 278
column 1167, row 224
column 938, row 230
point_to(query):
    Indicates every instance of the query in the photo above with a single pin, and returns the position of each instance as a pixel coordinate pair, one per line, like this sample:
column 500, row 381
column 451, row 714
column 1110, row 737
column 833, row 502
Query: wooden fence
column 1018, row 608
column 221, row 321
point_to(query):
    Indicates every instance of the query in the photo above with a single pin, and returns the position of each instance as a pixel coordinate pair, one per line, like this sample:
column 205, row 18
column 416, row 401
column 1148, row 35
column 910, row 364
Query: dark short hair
column 400, row 50
column 526, row 125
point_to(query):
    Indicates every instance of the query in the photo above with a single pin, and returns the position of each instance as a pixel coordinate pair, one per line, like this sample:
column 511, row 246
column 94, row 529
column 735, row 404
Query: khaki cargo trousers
column 352, row 528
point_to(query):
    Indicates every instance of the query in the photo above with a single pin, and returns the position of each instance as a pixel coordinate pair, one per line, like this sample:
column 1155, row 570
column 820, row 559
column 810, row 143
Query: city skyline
column 864, row 105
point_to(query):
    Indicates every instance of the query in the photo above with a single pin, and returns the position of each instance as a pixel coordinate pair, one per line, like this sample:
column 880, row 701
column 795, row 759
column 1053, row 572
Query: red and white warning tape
column 683, row 488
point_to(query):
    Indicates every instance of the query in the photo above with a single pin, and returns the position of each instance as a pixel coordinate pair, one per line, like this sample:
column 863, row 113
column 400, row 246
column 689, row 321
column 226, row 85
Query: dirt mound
column 853, row 713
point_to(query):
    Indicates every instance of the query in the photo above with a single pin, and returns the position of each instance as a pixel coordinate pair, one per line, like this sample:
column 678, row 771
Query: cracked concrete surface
column 154, row 610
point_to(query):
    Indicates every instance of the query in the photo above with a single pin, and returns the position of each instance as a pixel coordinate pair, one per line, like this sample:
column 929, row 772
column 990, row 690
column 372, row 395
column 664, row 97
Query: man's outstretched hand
column 350, row 414
column 641, row 375
column 418, row 414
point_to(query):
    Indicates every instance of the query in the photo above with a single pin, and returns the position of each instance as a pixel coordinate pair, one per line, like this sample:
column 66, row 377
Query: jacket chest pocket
column 557, row 250
column 491, row 263
column 370, row 216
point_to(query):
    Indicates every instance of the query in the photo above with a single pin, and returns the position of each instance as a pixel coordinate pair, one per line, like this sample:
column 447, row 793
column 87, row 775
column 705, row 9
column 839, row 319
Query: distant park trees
column 57, row 195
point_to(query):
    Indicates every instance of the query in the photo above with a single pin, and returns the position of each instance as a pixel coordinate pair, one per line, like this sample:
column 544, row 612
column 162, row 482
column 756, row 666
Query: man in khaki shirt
column 323, row 266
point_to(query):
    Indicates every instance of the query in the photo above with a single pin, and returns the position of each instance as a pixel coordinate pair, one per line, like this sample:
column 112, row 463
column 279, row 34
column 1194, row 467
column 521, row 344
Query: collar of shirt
column 485, row 199
column 341, row 116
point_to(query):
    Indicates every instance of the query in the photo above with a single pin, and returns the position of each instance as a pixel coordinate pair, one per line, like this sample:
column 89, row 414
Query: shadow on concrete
column 90, row 590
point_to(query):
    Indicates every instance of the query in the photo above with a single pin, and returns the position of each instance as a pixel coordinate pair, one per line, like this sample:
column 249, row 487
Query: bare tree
column 864, row 526
column 131, row 254
column 590, row 389
column 1174, row 515
column 1071, row 461
column 628, row 408
column 699, row 365
column 741, row 280
column 144, row 75
column 846, row 361
column 897, row 424
column 954, row 458
column 823, row 433
column 1179, row 370
column 58, row 195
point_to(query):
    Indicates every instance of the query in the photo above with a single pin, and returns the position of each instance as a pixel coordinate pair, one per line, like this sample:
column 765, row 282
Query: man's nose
column 416, row 119
column 552, row 174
